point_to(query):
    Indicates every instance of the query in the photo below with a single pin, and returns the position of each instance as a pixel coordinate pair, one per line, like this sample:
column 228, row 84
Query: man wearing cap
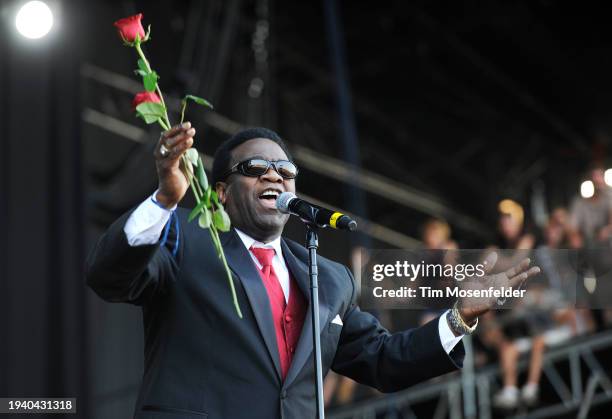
column 201, row 359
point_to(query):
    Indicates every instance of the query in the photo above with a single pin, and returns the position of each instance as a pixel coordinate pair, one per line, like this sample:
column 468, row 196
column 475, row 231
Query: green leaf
column 221, row 220
column 148, row 34
column 204, row 220
column 201, row 174
column 196, row 210
column 149, row 119
column 192, row 156
column 151, row 108
column 215, row 198
column 140, row 72
column 207, row 194
column 143, row 66
column 151, row 111
column 199, row 100
column 150, row 81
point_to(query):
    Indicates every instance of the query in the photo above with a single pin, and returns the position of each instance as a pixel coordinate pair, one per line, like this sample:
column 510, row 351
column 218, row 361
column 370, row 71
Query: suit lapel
column 239, row 260
column 299, row 270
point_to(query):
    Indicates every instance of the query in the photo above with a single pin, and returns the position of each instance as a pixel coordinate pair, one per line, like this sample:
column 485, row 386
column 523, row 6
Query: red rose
column 129, row 27
column 145, row 97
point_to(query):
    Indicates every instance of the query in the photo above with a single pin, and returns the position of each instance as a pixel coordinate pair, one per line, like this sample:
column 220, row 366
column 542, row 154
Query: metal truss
column 468, row 394
column 134, row 133
column 382, row 186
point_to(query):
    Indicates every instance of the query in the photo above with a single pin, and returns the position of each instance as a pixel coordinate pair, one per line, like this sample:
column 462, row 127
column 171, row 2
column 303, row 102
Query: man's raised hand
column 471, row 308
column 171, row 146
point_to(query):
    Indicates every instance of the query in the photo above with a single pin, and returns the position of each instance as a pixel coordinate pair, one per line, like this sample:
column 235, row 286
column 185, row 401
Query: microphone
column 289, row 203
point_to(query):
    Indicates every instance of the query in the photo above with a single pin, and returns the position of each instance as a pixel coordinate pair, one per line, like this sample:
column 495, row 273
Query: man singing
column 201, row 359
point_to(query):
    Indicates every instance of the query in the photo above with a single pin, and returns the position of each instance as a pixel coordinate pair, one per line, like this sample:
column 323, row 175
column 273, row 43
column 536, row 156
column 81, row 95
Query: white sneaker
column 506, row 398
column 530, row 393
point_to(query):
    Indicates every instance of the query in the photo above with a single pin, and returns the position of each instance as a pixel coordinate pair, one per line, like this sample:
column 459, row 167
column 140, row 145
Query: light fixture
column 587, row 189
column 608, row 177
column 34, row 20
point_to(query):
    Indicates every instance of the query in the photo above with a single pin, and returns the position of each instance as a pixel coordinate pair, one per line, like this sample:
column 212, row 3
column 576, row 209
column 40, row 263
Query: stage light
column 34, row 20
column 608, row 177
column 587, row 189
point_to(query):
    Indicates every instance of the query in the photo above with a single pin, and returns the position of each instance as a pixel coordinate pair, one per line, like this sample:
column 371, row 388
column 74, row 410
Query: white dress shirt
column 146, row 223
column 278, row 261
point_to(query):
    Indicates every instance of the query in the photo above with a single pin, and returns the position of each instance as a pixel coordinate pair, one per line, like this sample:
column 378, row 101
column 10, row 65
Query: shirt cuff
column 145, row 225
column 447, row 337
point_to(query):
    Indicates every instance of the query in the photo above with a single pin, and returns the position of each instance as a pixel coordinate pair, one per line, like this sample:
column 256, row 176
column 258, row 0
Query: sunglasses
column 258, row 167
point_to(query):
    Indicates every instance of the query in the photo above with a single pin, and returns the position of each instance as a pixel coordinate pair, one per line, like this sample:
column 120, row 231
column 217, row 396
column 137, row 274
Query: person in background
column 497, row 332
column 548, row 304
column 511, row 227
column 436, row 235
column 591, row 218
column 590, row 224
column 546, row 307
column 560, row 274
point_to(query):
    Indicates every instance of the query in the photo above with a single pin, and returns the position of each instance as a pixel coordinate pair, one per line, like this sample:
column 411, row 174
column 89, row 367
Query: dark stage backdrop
column 43, row 345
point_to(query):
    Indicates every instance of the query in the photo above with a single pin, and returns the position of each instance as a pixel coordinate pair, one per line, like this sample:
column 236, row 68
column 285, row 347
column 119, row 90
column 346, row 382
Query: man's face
column 249, row 207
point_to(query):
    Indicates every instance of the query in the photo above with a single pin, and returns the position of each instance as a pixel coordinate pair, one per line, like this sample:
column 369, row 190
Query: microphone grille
column 282, row 202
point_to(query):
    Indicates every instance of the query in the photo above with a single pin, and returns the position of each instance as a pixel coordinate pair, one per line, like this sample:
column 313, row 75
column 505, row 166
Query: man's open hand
column 172, row 182
column 472, row 307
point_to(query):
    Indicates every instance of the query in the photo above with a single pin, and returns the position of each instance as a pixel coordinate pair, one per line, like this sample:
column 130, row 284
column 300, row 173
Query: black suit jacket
column 202, row 360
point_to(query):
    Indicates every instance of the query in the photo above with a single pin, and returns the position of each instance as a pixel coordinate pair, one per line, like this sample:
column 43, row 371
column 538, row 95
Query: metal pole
column 312, row 243
column 354, row 195
column 583, row 413
column 468, row 380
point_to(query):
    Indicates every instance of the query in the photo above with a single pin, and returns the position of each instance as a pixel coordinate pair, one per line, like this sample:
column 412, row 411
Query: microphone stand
column 312, row 243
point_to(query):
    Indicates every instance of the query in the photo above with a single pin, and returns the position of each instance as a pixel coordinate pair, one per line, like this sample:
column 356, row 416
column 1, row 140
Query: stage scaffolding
column 574, row 372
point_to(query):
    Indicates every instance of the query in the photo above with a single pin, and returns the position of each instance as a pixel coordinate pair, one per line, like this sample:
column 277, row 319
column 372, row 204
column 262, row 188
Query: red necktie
column 273, row 286
column 277, row 301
